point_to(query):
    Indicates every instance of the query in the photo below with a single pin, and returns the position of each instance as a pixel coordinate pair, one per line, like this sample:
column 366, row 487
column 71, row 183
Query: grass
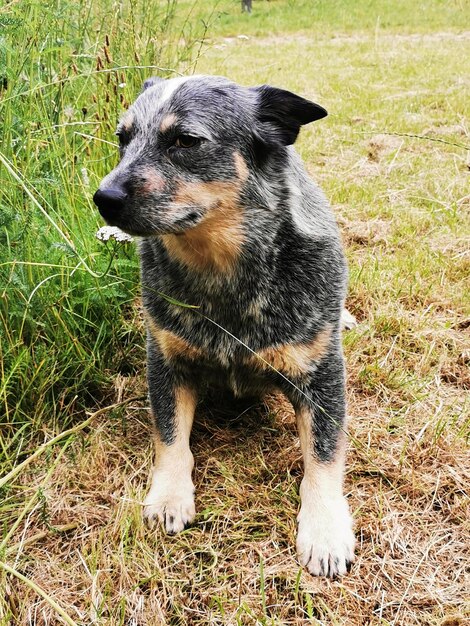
column 393, row 157
column 66, row 312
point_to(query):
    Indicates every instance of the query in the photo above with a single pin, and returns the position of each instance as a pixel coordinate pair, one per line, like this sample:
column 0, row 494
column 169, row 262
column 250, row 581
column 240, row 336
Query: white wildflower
column 85, row 178
column 105, row 233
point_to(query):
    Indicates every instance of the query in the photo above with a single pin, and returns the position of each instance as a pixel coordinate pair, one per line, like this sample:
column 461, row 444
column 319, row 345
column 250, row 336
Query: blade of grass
column 65, row 616
column 66, row 433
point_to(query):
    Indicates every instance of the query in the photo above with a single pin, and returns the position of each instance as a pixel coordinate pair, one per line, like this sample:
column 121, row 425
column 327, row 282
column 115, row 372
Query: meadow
column 393, row 157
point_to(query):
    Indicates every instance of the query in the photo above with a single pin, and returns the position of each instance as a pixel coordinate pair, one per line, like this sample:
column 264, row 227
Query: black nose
column 110, row 201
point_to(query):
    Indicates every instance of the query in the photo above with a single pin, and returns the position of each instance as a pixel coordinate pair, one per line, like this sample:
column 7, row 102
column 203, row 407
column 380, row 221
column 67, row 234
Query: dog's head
column 187, row 147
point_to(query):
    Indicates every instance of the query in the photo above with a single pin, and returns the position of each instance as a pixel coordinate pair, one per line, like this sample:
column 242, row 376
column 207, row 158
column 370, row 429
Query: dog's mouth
column 142, row 221
column 188, row 221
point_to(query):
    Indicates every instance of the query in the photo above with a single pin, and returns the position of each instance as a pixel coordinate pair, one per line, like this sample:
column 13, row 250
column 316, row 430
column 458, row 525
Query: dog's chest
column 237, row 331
column 243, row 353
column 223, row 336
column 213, row 345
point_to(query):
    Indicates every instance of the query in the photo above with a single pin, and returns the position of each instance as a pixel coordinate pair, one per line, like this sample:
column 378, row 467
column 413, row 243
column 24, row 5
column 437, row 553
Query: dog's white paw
column 325, row 538
column 170, row 503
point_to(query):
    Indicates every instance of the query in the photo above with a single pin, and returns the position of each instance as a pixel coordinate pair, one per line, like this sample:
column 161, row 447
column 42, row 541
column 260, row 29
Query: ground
column 393, row 159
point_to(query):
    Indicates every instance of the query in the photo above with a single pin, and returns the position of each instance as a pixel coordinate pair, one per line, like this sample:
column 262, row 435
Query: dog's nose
column 110, row 201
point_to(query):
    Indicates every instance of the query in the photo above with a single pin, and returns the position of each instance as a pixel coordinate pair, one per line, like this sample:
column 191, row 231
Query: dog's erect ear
column 281, row 113
column 150, row 82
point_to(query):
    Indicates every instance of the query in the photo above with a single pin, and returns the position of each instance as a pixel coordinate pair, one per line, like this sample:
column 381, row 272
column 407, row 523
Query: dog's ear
column 281, row 113
column 150, row 82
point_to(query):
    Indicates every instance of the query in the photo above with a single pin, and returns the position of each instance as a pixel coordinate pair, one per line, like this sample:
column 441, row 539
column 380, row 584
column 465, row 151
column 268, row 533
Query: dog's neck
column 214, row 245
column 242, row 213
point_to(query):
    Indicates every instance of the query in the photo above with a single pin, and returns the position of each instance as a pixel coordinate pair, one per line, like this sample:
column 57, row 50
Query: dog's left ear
column 281, row 113
column 150, row 82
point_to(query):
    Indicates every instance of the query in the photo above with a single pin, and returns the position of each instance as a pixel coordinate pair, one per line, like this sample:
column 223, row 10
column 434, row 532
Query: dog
column 229, row 222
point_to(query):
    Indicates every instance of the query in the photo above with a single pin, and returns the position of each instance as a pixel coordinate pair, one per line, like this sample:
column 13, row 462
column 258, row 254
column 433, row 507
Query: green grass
column 328, row 17
column 66, row 312
column 393, row 158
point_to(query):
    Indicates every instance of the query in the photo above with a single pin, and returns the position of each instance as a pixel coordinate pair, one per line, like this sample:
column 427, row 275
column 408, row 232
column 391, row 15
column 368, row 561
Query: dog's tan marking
column 126, row 121
column 295, row 359
column 217, row 240
column 325, row 539
column 328, row 475
column 153, row 181
column 241, row 167
column 185, row 405
column 169, row 120
column 255, row 308
column 171, row 345
column 171, row 495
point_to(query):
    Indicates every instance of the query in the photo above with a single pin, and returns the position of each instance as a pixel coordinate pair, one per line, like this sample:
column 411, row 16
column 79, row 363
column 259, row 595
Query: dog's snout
column 110, row 200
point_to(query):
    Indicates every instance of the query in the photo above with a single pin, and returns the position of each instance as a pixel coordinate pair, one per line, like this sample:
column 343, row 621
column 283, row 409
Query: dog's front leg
column 171, row 496
column 325, row 539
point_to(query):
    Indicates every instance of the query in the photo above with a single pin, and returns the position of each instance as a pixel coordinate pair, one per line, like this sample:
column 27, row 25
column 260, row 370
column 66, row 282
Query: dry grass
column 237, row 564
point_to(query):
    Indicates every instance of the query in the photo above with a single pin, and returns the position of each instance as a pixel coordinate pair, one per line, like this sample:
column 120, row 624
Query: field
column 393, row 157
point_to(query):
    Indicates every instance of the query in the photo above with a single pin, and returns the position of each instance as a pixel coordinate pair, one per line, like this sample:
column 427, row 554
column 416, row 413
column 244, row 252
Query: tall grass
column 67, row 71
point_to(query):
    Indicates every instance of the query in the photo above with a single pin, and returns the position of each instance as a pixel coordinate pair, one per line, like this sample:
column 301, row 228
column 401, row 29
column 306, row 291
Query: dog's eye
column 123, row 138
column 186, row 141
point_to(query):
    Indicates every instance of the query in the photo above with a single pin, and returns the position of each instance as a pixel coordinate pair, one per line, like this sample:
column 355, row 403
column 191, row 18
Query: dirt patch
column 365, row 233
column 302, row 39
column 381, row 145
